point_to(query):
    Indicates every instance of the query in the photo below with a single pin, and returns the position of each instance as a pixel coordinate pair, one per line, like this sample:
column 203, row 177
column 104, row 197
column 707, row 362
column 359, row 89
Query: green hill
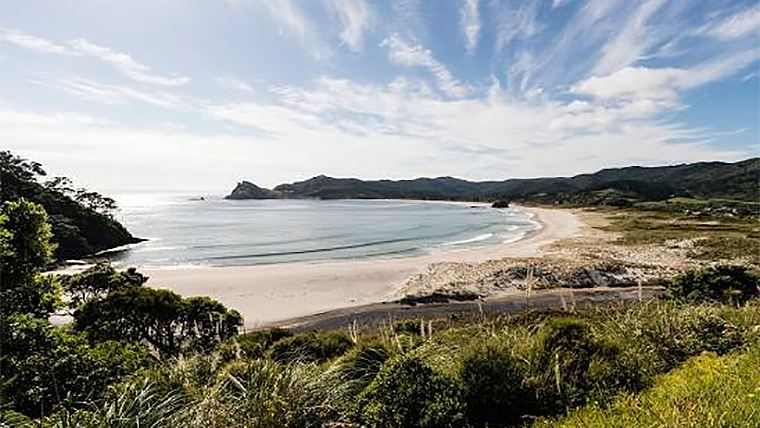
column 735, row 181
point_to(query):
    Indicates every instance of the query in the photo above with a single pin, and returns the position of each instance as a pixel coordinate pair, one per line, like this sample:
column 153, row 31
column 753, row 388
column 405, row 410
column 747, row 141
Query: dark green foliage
column 408, row 393
column 43, row 366
column 80, row 220
column 729, row 284
column 492, row 380
column 164, row 319
column 26, row 248
column 569, row 364
column 313, row 346
column 361, row 364
column 256, row 343
column 97, row 281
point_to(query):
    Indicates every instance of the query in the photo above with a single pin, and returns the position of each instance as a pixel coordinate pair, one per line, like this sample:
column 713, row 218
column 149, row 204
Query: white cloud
column 125, row 64
column 415, row 55
column 516, row 24
column 33, row 43
column 470, row 22
column 111, row 94
column 122, row 62
column 356, row 17
column 662, row 85
column 742, row 24
column 634, row 39
column 292, row 20
column 235, row 84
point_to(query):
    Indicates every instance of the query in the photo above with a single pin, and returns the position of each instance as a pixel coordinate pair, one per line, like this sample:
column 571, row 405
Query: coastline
column 267, row 294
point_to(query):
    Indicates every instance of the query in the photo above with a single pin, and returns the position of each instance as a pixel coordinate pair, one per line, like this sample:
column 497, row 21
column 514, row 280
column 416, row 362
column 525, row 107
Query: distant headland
column 616, row 186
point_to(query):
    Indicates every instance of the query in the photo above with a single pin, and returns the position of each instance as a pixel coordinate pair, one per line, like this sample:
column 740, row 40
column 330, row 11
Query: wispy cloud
column 235, row 84
column 635, row 39
column 122, row 62
column 659, row 88
column 110, row 94
column 742, row 24
column 125, row 64
column 291, row 19
column 33, row 43
column 470, row 23
column 356, row 17
column 412, row 54
column 515, row 23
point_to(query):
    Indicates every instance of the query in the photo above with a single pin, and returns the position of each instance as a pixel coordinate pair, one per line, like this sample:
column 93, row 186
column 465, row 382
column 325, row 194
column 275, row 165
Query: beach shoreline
column 266, row 294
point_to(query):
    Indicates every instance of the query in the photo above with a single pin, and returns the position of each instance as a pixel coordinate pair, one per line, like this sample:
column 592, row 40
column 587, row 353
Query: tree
column 98, row 281
column 25, row 244
column 161, row 318
column 42, row 366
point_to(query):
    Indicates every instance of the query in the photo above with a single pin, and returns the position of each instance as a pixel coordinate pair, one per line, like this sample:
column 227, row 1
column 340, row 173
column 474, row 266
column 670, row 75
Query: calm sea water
column 215, row 232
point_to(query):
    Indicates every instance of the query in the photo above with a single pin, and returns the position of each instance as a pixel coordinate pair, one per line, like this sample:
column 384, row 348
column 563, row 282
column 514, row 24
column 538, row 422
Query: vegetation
column 120, row 324
column 80, row 220
column 708, row 391
column 614, row 187
column 713, row 237
column 138, row 356
column 729, row 284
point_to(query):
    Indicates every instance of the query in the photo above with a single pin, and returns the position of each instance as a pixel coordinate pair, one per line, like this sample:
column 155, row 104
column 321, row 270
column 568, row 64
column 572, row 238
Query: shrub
column 311, row 347
column 408, row 393
column 361, row 364
column 254, row 344
column 43, row 366
column 569, row 364
column 729, row 284
column 493, row 385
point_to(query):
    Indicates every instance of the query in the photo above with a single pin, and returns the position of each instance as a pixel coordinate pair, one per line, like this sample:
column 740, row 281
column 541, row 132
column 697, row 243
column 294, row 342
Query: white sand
column 268, row 293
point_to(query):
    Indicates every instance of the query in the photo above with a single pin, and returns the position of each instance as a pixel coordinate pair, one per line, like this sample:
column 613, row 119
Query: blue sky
column 199, row 94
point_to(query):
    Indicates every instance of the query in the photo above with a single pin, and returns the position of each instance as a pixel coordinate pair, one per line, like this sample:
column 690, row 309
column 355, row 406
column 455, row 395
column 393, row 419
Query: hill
column 735, row 181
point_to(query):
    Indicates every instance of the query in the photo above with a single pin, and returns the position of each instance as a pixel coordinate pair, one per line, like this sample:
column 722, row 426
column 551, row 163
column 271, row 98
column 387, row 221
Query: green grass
column 708, row 391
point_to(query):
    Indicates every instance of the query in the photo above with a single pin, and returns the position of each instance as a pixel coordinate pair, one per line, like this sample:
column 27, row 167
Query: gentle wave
column 314, row 250
column 478, row 238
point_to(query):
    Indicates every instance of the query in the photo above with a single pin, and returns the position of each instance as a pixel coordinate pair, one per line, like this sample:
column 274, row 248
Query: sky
column 201, row 94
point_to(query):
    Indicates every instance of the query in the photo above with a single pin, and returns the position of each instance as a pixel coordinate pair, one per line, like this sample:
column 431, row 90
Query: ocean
column 183, row 231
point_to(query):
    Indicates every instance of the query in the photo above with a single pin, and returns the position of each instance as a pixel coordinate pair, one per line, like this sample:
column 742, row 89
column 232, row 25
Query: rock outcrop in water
column 248, row 190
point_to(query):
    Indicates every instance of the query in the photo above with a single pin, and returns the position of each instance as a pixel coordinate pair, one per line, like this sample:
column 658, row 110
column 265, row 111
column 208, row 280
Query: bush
column 43, row 366
column 493, row 385
column 708, row 391
column 408, row 393
column 311, row 347
column 728, row 284
column 256, row 343
column 569, row 365
column 360, row 365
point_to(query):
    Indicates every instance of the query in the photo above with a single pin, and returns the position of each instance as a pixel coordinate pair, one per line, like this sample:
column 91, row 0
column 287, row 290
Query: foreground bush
column 493, row 381
column 709, row 391
column 311, row 347
column 44, row 366
column 408, row 393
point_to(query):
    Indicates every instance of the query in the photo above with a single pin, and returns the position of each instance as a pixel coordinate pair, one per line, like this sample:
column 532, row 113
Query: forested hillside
column 81, row 220
column 736, row 181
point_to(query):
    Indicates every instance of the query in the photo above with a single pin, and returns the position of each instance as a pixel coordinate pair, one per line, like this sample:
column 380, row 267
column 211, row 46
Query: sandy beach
column 265, row 294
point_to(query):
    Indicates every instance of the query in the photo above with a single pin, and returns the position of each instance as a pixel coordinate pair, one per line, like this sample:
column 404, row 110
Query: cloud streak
column 122, row 62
